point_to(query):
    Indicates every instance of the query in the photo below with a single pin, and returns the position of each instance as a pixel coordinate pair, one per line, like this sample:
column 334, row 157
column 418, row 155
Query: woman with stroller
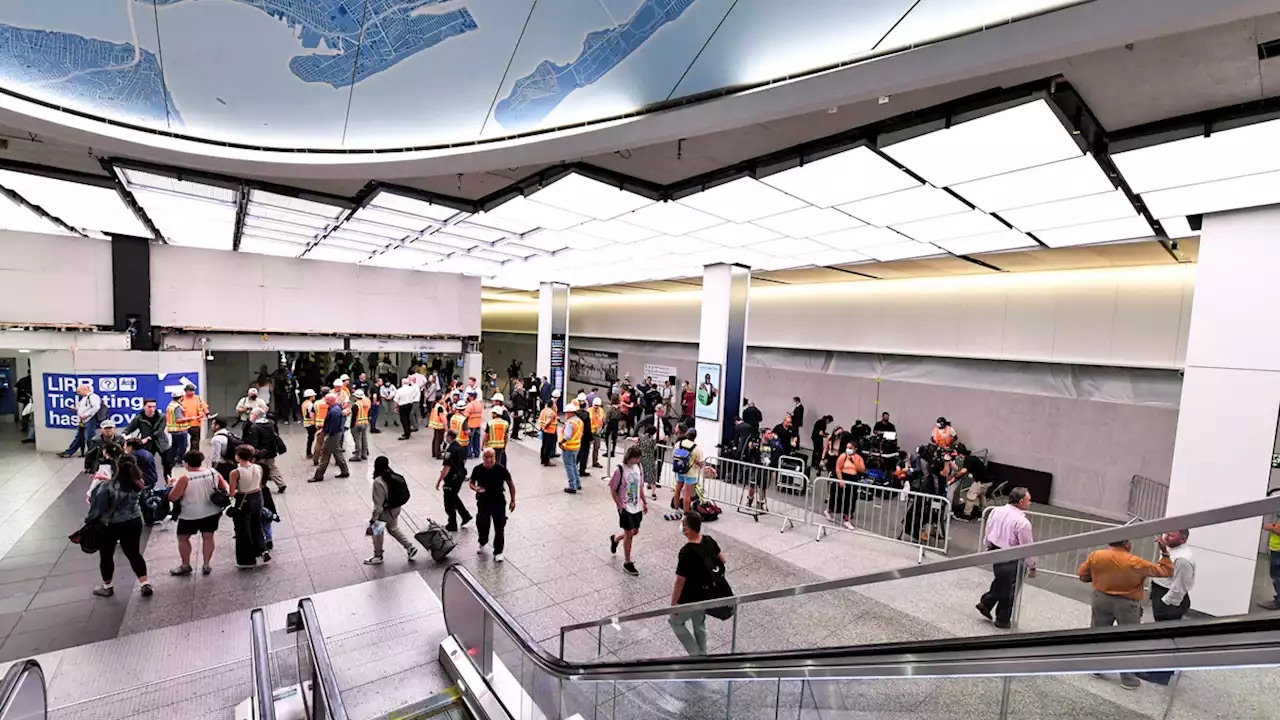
column 114, row 506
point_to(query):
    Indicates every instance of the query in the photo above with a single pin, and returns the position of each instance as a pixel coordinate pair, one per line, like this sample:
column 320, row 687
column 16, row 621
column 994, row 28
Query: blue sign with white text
column 122, row 393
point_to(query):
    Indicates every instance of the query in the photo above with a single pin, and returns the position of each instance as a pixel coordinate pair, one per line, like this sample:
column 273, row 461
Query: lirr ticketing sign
column 123, row 394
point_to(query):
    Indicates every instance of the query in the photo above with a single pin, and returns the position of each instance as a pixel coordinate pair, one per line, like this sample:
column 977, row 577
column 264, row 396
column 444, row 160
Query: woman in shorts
column 198, row 513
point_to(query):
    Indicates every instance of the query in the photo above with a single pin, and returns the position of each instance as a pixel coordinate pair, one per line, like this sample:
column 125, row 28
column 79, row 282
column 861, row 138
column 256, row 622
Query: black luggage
column 435, row 539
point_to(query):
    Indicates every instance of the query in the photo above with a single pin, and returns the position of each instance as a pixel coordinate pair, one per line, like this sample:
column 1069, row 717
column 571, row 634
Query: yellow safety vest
column 308, row 413
column 173, row 421
column 576, row 431
column 456, row 426
column 362, row 411
column 498, row 433
column 597, row 418
column 548, row 420
column 322, row 411
column 437, row 417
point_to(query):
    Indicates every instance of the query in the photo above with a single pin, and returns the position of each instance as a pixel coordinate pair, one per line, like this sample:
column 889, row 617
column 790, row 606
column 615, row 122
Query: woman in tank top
column 197, row 513
column 246, row 489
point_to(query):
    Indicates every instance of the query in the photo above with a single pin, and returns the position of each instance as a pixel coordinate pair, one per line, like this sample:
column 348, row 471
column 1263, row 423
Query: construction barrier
column 897, row 514
column 1147, row 498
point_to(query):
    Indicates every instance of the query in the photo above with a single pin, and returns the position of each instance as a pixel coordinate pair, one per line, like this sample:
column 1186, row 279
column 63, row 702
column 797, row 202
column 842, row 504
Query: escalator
column 1220, row 669
column 22, row 694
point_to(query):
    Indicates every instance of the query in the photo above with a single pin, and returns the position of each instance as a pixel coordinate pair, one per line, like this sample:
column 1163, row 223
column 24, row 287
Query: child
column 269, row 515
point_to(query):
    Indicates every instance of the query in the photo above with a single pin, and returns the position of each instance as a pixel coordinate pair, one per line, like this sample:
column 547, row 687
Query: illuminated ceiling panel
column 994, row 242
column 187, row 214
column 1109, row 231
column 974, row 222
column 297, row 216
column 842, row 178
column 1060, row 180
column 592, row 198
column 403, row 258
column 89, row 208
column 1223, row 154
column 671, row 218
column 20, row 218
column 920, row 203
column 1077, row 211
column 742, row 200
column 809, row 221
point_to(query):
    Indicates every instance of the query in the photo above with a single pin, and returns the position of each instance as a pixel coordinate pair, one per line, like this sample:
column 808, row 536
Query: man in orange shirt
column 194, row 411
column 475, row 419
column 1116, row 575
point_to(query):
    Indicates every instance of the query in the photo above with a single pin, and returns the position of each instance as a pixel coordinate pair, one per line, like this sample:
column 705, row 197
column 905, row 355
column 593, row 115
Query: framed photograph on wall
column 707, row 405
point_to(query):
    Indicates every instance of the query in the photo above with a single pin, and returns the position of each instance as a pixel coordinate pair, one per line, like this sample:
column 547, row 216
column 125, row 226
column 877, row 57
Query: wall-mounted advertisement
column 707, row 406
column 593, row 367
column 660, row 373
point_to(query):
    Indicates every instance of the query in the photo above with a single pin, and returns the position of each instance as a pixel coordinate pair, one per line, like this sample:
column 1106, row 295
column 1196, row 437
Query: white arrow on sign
column 182, row 385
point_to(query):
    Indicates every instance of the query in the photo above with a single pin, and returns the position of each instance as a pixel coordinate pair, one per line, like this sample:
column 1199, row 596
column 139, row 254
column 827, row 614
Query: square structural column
column 722, row 349
column 553, row 335
column 1230, row 402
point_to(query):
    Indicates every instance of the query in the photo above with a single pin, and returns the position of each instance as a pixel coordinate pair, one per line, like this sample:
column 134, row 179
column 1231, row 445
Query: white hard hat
column 308, row 393
column 497, row 397
column 597, row 402
column 555, row 393
column 359, row 393
column 338, row 383
column 581, row 397
column 344, row 376
column 571, row 407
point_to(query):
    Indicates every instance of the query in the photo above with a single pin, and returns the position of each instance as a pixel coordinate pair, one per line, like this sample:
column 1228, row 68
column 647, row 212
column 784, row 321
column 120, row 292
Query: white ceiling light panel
column 1062, row 180
column 616, row 231
column 584, row 196
column 808, row 221
column 903, row 251
column 735, row 234
column 1210, row 197
column 860, row 238
column 546, row 241
column 363, row 226
column 1249, row 150
column 1077, row 211
column 520, row 215
column 919, row 203
column 269, row 246
column 410, row 207
column 994, row 242
column 403, row 258
column 334, row 253
column 742, row 200
column 20, row 218
column 842, row 178
column 1004, row 141
column 664, row 245
column 280, row 212
column 1109, row 231
column 575, row 240
column 974, row 222
column 671, row 218
column 90, row 208
column 828, row 258
column 1177, row 227
column 187, row 214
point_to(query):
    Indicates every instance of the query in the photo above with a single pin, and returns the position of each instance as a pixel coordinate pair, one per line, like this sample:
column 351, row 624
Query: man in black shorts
column 488, row 481
column 626, row 486
column 453, row 474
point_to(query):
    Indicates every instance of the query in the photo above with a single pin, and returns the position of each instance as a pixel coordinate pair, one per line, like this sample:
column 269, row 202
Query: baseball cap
column 108, row 424
column 253, row 391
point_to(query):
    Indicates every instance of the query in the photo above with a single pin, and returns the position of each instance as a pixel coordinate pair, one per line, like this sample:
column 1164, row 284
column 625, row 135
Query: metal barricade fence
column 1048, row 527
column 897, row 514
column 756, row 490
column 1147, row 498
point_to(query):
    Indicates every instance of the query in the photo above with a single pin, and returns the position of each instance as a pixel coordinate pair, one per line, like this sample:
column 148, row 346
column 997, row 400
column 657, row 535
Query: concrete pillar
column 722, row 345
column 553, row 334
column 473, row 367
column 1230, row 400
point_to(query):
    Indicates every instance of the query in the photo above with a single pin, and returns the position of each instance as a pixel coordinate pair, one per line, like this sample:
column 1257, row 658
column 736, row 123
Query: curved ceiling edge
column 1044, row 38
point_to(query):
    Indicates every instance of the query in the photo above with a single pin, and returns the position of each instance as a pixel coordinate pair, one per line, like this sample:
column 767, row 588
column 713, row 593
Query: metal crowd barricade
column 897, row 514
column 1147, row 498
column 756, row 490
column 1048, row 527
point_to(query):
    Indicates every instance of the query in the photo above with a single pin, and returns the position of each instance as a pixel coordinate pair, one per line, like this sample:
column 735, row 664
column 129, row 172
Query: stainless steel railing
column 260, row 659
column 1147, row 498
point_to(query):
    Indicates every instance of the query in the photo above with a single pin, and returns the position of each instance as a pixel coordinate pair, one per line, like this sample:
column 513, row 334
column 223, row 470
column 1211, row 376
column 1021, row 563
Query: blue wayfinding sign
column 122, row 393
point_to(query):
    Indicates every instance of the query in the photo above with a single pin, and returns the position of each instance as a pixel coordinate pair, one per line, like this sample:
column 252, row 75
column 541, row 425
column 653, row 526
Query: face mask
column 849, row 451
column 940, row 426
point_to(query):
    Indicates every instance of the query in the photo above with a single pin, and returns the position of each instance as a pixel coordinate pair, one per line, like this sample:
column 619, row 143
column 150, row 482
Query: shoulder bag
column 717, row 588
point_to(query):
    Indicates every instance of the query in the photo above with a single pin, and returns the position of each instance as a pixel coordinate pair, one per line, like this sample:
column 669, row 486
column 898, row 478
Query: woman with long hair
column 114, row 505
column 196, row 512
column 246, row 489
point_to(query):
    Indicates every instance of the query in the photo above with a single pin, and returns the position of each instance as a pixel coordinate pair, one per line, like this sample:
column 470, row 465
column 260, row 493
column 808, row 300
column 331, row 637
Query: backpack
column 233, row 444
column 103, row 411
column 709, row 511
column 682, row 458
column 397, row 491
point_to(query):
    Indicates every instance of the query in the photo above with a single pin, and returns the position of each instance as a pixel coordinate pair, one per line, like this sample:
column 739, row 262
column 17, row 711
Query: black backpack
column 397, row 490
column 233, row 444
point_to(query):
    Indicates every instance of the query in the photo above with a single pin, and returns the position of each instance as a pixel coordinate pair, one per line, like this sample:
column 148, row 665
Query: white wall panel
column 273, row 294
column 55, row 279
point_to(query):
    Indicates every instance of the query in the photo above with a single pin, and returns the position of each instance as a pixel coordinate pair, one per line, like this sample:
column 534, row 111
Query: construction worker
column 309, row 417
column 548, row 422
column 321, row 409
column 458, row 426
column 360, row 426
column 597, row 427
column 497, row 430
column 437, row 421
column 475, row 420
column 943, row 435
column 194, row 411
column 570, row 444
column 177, row 429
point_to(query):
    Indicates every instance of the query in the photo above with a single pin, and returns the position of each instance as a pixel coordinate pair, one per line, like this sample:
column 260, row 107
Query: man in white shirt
column 419, row 386
column 247, row 405
column 406, row 403
column 1171, row 596
column 88, row 411
column 387, row 391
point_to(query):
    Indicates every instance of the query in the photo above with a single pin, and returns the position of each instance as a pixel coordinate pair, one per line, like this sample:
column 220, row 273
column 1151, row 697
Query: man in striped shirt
column 1008, row 526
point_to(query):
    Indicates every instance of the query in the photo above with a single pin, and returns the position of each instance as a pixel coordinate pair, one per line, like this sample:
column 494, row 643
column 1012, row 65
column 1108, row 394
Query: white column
column 1230, row 400
column 722, row 342
column 473, row 367
column 553, row 333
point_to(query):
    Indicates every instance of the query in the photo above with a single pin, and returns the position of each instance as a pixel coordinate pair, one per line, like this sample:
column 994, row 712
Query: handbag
column 280, row 446
column 220, row 497
column 717, row 589
column 92, row 534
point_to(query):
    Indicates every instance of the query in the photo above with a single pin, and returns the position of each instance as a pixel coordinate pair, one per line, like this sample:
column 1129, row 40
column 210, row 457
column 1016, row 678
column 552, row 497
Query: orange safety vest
column 192, row 408
column 437, row 421
column 475, row 414
column 548, row 420
column 498, row 433
column 456, row 426
column 362, row 411
column 576, row 431
column 308, row 413
column 597, row 418
column 322, row 411
column 942, row 437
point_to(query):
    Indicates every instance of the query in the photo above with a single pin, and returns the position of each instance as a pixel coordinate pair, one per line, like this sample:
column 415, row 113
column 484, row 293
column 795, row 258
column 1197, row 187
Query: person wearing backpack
column 488, row 481
column 90, row 412
column 686, row 462
column 222, row 447
column 390, row 493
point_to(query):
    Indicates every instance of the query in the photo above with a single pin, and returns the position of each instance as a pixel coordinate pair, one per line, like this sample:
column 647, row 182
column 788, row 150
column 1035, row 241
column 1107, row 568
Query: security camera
column 209, row 355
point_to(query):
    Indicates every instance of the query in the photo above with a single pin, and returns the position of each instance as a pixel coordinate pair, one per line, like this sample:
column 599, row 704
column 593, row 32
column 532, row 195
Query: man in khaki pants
column 1116, row 575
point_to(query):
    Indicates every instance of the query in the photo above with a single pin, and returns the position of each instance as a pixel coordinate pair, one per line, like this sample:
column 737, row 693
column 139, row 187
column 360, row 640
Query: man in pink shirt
column 1008, row 526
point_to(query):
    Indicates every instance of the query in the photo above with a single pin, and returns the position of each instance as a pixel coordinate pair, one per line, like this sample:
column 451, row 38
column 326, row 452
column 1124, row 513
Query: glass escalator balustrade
column 22, row 694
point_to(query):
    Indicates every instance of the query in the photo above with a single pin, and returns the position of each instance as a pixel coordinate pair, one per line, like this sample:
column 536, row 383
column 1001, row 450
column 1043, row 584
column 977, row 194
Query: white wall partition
column 55, row 279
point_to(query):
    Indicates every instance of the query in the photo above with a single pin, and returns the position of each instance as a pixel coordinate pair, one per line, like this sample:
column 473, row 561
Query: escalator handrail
column 1097, row 538
column 1250, row 640
column 13, row 681
column 260, row 656
column 324, row 673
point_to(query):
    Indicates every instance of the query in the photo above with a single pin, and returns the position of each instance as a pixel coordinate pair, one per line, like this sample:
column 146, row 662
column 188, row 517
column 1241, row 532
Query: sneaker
column 497, row 558
column 181, row 570
column 206, row 570
column 630, row 568
column 266, row 557
column 613, row 545
column 480, row 550
column 344, row 475
column 1130, row 682
column 282, row 489
column 847, row 525
column 412, row 552
column 986, row 611
column 375, row 560
column 1002, row 625
column 146, row 590
column 104, row 591
column 65, row 455
column 465, row 522
column 315, row 479
column 571, row 491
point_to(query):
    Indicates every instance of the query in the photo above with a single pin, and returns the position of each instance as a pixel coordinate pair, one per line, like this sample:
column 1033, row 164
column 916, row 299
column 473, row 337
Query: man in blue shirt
column 146, row 461
column 334, row 424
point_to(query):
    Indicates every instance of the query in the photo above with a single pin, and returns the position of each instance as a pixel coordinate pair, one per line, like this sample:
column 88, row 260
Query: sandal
column 181, row 570
column 206, row 570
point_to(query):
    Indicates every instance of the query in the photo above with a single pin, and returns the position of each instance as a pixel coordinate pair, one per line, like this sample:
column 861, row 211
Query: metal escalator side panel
column 328, row 705
column 260, row 657
column 23, row 695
